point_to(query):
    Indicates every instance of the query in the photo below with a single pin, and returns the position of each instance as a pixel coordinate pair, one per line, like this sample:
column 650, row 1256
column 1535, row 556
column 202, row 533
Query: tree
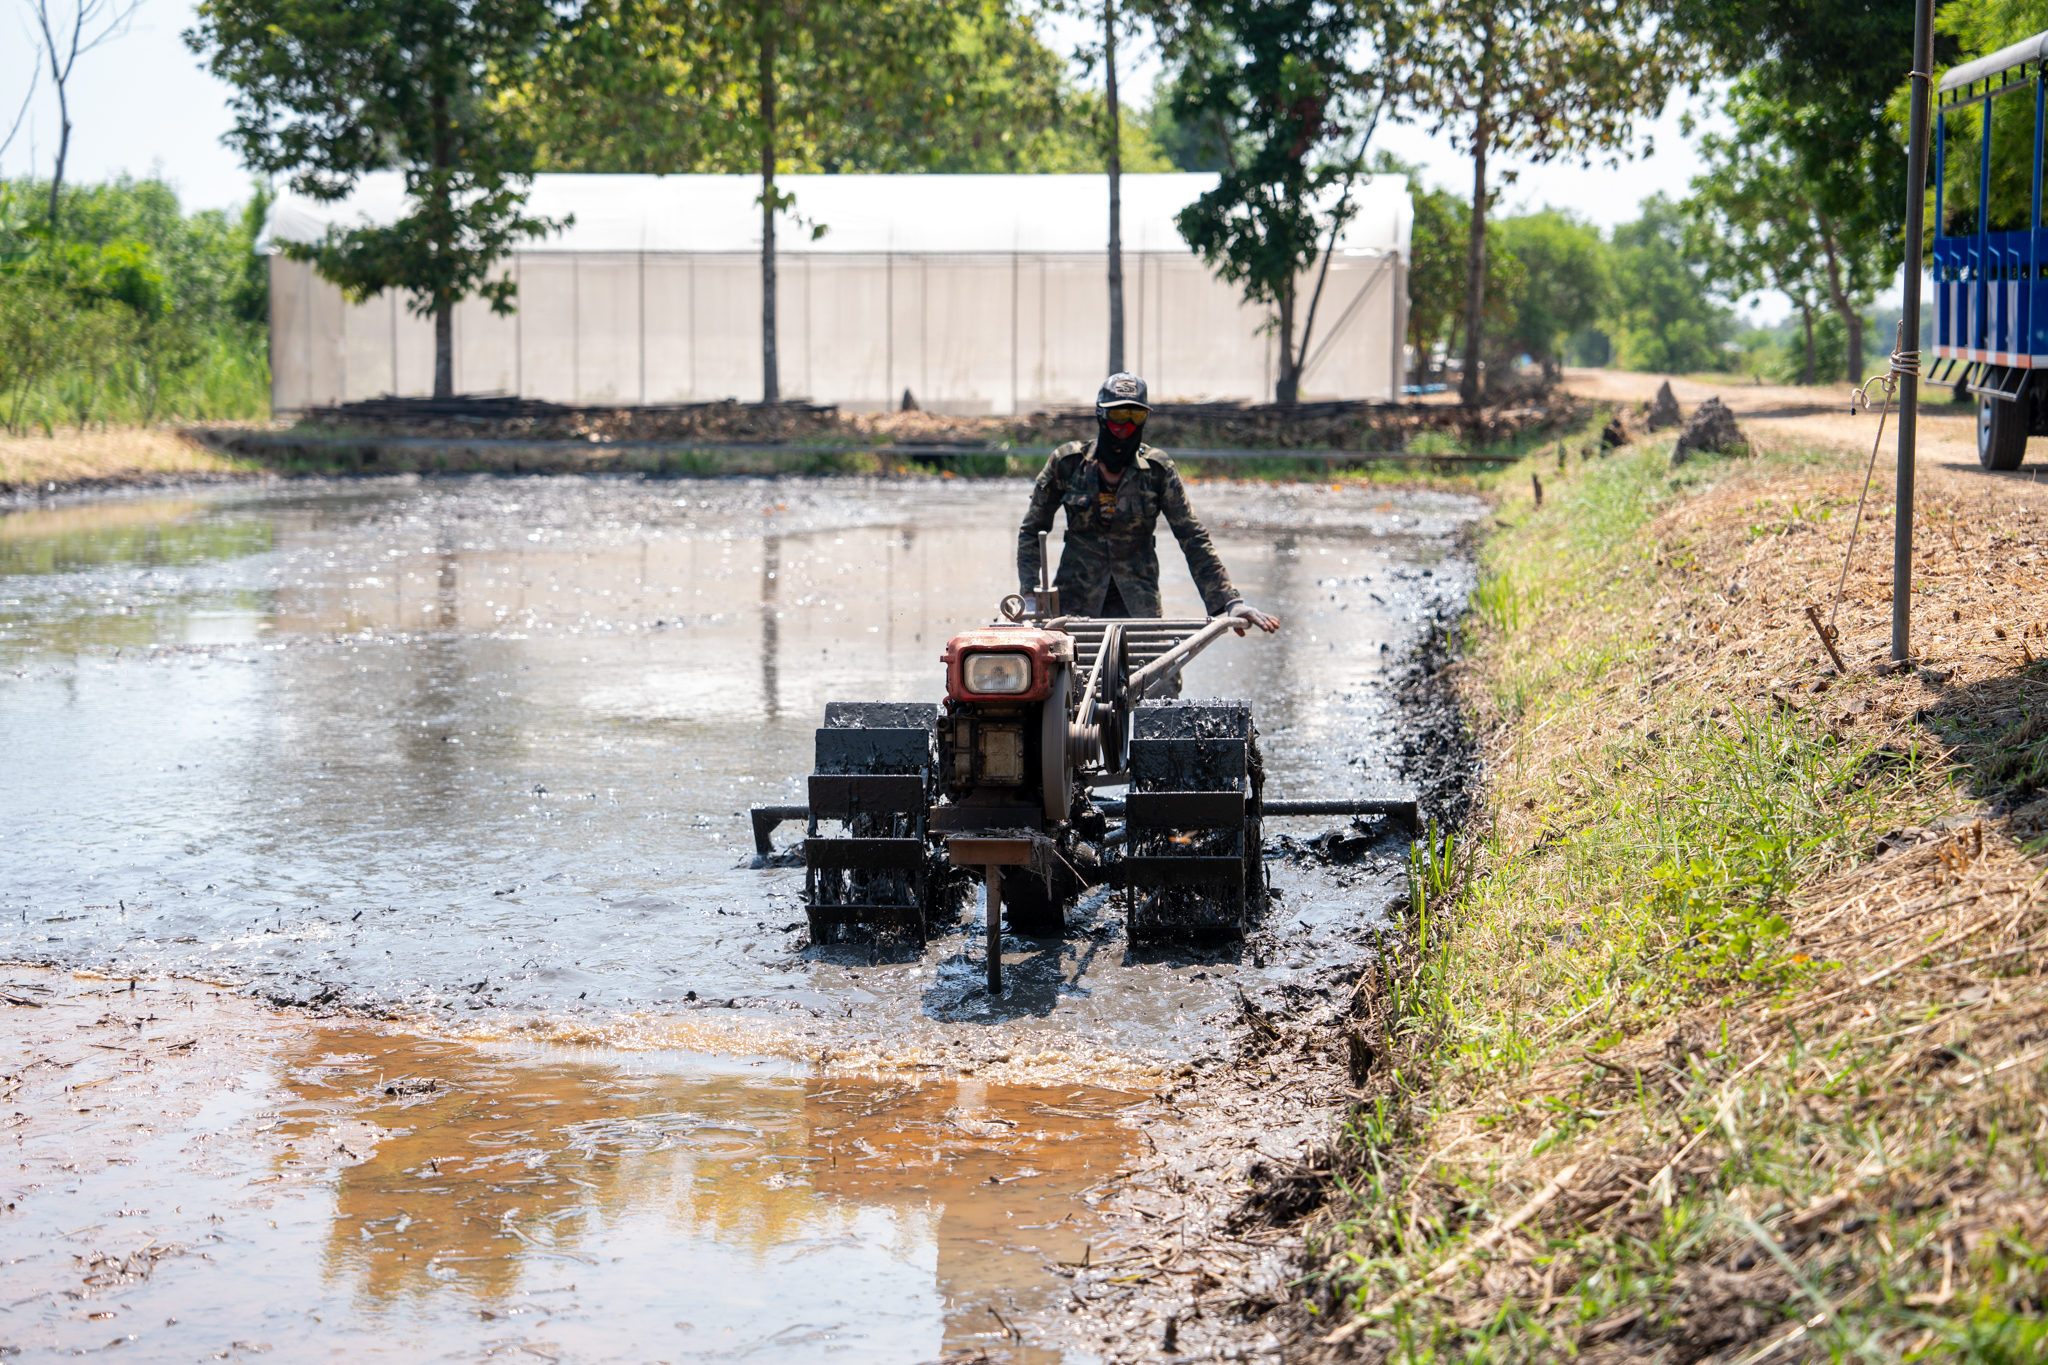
column 1532, row 80
column 1759, row 221
column 329, row 90
column 1829, row 69
column 1279, row 81
column 1752, row 224
column 1436, row 272
column 1436, row 275
column 1564, row 287
column 1114, row 23
column 760, row 86
column 1185, row 145
column 632, row 87
column 67, row 35
column 1662, row 316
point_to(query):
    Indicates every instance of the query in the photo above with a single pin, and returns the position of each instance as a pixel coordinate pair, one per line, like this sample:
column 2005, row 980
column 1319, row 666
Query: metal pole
column 1909, row 383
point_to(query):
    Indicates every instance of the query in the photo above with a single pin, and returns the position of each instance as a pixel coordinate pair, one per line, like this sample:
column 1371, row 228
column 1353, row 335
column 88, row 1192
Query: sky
column 142, row 105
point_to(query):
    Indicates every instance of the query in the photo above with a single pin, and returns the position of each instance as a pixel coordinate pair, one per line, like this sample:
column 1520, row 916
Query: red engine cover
column 1048, row 649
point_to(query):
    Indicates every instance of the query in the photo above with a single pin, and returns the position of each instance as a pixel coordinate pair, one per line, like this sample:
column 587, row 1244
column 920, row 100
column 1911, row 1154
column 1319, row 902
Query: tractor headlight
column 997, row 674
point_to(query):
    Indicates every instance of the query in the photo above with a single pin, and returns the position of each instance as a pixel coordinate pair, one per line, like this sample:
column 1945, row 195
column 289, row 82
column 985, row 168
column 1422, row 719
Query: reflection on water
column 143, row 535
column 759, row 1209
column 431, row 1198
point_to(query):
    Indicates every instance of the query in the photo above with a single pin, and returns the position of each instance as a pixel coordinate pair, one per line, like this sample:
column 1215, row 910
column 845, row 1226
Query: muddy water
column 197, row 1177
column 480, row 751
column 487, row 745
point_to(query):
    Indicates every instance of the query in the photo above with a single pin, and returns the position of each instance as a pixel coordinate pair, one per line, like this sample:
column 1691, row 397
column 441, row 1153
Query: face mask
column 1116, row 444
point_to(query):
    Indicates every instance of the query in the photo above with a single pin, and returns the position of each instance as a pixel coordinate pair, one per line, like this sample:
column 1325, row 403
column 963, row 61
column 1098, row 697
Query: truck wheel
column 2001, row 433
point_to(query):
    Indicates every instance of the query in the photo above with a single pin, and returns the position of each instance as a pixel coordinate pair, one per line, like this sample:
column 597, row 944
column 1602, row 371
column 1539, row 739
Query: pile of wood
column 472, row 416
column 1331, row 425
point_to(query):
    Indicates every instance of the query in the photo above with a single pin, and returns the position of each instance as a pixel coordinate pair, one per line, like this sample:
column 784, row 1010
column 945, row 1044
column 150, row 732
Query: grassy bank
column 1720, row 1034
column 116, row 455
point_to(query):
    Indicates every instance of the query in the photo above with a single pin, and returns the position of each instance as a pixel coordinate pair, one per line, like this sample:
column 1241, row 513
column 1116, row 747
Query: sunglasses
column 1135, row 416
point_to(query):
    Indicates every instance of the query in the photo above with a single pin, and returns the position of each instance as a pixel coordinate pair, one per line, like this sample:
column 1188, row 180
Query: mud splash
column 198, row 1176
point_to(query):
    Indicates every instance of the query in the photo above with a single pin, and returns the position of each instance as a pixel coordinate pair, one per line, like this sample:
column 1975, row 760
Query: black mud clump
column 1439, row 752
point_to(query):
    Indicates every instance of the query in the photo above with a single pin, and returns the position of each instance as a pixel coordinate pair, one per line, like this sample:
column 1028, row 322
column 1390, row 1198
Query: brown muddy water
column 476, row 753
column 199, row 1177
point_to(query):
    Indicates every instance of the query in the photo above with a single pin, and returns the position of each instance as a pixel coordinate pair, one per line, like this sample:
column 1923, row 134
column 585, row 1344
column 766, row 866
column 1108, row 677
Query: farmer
column 1115, row 488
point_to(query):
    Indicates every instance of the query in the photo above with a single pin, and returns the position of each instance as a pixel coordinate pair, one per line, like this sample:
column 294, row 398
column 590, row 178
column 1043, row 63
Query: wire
column 1904, row 364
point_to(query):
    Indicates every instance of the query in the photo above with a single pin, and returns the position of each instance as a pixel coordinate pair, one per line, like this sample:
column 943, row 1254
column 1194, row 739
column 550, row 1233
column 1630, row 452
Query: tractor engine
column 1004, row 746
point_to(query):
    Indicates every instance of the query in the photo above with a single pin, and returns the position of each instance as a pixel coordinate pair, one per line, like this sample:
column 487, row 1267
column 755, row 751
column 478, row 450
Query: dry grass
column 1742, row 1008
column 115, row 455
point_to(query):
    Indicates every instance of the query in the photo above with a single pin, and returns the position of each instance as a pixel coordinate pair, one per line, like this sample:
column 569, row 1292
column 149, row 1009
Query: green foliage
column 1758, row 221
column 1662, row 316
column 1503, row 604
column 1969, row 29
column 1996, row 1336
column 959, row 86
column 329, row 90
column 1750, row 220
column 1753, row 811
column 131, row 311
column 1436, row 276
column 1188, row 142
column 1564, row 287
column 1276, row 79
column 1436, row 272
column 1830, row 67
column 1532, row 80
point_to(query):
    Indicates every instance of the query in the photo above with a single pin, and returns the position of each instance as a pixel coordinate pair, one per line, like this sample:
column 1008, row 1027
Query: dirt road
column 1818, row 416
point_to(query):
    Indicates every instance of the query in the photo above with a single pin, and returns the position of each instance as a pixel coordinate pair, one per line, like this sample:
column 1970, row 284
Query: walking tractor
column 1005, row 780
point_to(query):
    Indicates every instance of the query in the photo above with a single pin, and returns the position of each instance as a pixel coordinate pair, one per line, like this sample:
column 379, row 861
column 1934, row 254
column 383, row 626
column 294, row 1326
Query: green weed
column 1502, row 603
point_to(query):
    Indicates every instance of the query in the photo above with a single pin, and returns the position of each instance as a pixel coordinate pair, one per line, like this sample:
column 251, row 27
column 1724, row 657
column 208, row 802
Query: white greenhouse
column 979, row 294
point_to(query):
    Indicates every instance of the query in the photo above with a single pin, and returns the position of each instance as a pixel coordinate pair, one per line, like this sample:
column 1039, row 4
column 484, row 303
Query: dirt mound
column 1664, row 411
column 1712, row 428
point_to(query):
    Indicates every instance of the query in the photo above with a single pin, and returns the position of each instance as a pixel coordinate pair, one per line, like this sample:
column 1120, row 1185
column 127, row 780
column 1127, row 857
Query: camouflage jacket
column 1118, row 548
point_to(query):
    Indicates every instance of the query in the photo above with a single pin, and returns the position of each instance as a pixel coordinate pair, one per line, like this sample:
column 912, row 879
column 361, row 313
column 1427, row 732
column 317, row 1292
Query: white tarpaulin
column 979, row 294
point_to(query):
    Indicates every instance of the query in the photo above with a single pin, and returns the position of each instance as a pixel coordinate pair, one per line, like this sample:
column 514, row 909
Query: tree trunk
column 63, row 150
column 444, row 308
column 1288, row 389
column 444, row 350
column 771, row 385
column 1470, row 390
column 1852, row 321
column 60, row 76
column 1114, row 161
column 1806, row 312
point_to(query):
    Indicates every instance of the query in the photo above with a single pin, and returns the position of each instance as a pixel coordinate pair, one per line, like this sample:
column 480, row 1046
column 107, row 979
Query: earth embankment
column 1724, row 1043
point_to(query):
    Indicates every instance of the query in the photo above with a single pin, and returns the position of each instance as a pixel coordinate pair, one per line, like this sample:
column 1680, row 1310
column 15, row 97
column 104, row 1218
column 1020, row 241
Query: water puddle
column 198, row 1176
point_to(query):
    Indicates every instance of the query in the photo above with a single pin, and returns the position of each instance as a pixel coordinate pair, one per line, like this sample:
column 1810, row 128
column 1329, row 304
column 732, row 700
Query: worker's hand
column 1252, row 616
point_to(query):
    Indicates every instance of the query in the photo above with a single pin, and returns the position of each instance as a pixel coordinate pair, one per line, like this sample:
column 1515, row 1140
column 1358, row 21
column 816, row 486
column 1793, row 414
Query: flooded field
column 478, row 752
